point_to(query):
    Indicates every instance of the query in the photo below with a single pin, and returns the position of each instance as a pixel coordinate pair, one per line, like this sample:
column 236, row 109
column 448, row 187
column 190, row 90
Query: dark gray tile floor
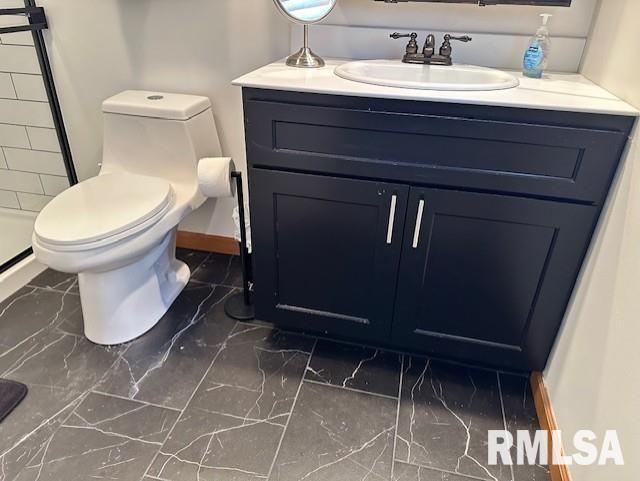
column 201, row 398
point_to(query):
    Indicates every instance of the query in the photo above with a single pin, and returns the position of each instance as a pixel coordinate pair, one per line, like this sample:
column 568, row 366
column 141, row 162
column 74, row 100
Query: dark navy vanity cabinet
column 453, row 230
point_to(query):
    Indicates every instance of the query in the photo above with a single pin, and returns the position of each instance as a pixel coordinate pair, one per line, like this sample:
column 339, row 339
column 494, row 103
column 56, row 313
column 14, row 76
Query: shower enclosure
column 35, row 159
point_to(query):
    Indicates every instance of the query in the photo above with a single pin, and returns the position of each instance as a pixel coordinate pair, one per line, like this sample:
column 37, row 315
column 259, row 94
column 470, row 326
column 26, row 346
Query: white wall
column 100, row 47
column 571, row 22
column 360, row 29
column 593, row 376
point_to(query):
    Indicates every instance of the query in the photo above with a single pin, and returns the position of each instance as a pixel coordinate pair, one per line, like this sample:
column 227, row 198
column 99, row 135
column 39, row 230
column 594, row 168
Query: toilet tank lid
column 143, row 103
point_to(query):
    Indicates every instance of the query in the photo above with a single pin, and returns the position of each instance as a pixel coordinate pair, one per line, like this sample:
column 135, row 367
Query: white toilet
column 117, row 231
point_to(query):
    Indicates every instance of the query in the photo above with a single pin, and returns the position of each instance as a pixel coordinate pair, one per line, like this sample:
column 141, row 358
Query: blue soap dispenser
column 536, row 56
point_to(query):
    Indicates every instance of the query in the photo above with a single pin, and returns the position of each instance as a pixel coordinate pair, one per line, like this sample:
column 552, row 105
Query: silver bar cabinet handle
column 392, row 218
column 416, row 233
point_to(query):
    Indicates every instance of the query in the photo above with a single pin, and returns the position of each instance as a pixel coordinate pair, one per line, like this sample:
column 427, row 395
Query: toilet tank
column 158, row 134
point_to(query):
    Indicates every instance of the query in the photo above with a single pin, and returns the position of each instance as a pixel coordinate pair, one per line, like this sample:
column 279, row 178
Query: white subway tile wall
column 37, row 161
column 20, row 181
column 14, row 136
column 21, row 112
column 43, row 139
column 9, row 199
column 32, row 170
column 6, row 86
column 19, row 58
column 53, row 184
column 29, row 87
column 32, row 202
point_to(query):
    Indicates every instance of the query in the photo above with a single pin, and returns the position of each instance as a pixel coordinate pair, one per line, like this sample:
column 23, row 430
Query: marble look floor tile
column 61, row 281
column 29, row 428
column 220, row 269
column 445, row 413
column 73, row 323
column 57, row 368
column 104, row 438
column 337, row 434
column 192, row 258
column 166, row 364
column 124, row 417
column 59, row 360
column 208, row 446
column 520, row 414
column 409, row 472
column 247, row 377
column 256, row 375
column 30, row 312
column 363, row 368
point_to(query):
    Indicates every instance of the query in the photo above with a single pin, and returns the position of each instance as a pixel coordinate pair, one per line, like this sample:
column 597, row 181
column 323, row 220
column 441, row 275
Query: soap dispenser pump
column 536, row 56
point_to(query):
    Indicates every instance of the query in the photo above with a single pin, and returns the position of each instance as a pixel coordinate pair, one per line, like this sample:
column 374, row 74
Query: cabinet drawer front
column 326, row 251
column 522, row 158
column 488, row 277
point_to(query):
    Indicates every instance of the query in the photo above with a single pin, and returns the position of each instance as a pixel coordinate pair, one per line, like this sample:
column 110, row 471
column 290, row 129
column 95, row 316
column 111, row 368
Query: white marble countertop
column 556, row 91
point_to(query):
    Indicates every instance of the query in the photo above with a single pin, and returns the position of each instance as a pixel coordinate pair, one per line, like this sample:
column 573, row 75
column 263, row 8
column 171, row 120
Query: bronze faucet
column 428, row 55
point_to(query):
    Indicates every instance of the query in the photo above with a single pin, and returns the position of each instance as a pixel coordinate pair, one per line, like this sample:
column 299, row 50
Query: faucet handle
column 446, row 49
column 464, row 38
column 396, row 35
column 412, row 46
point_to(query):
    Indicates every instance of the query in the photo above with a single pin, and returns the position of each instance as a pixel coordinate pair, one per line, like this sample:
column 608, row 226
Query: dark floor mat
column 11, row 393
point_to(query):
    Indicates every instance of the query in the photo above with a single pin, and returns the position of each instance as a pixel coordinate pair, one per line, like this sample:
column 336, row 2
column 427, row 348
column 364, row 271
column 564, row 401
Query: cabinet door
column 326, row 252
column 488, row 277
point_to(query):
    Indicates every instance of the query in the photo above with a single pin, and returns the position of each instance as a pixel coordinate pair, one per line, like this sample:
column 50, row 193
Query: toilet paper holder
column 239, row 306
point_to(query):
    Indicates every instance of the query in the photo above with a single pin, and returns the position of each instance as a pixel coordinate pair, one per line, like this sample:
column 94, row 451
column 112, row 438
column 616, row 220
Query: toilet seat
column 103, row 210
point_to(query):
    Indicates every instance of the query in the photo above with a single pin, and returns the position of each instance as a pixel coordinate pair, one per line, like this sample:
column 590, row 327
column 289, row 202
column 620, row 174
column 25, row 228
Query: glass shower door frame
column 37, row 23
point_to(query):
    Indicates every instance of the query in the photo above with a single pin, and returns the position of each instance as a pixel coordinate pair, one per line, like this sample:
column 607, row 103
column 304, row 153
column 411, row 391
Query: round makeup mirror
column 305, row 12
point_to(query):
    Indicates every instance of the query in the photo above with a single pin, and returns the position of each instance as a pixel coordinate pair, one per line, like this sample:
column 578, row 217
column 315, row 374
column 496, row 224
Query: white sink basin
column 394, row 73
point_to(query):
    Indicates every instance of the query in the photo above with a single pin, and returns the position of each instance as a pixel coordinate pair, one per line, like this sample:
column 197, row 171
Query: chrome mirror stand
column 305, row 13
column 305, row 58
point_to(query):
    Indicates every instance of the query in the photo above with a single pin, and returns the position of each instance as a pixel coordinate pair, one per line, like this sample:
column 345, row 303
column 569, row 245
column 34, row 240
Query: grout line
column 395, row 437
column 15, row 90
column 13, row 124
column 443, row 471
column 41, row 184
column 102, row 393
column 31, row 149
column 30, row 171
column 195, row 281
column 23, row 73
column 26, row 131
column 43, row 102
column 293, row 407
column 504, row 418
column 51, row 289
column 28, row 194
column 206, row 373
column 319, row 383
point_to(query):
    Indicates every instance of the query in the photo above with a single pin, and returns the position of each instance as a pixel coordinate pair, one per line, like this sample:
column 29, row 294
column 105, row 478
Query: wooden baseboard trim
column 207, row 243
column 547, row 422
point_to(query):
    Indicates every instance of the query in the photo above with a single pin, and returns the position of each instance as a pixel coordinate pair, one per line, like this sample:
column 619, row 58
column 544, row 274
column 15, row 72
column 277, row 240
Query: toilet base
column 122, row 304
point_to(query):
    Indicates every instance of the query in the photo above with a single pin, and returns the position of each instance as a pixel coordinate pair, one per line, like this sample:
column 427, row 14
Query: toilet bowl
column 117, row 230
